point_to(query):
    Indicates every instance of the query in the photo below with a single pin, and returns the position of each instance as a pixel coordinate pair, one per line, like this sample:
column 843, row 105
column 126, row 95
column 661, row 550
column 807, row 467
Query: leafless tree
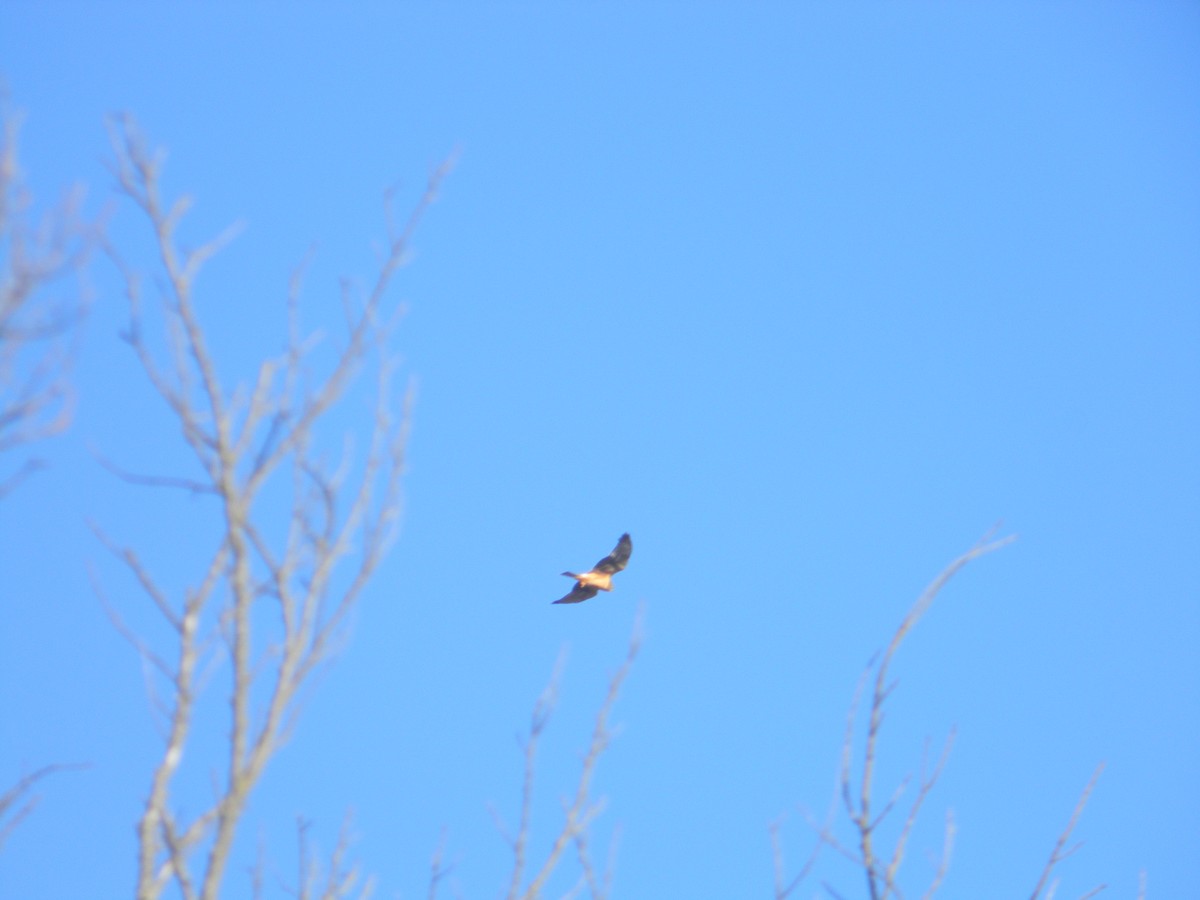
column 267, row 602
column 37, row 316
column 581, row 810
column 38, row 319
column 880, row 867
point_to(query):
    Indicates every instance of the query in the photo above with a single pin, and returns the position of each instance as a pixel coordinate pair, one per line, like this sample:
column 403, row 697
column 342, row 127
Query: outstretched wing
column 616, row 560
column 579, row 593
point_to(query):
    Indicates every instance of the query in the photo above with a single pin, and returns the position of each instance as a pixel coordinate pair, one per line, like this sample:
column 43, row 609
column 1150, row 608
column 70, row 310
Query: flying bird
column 587, row 584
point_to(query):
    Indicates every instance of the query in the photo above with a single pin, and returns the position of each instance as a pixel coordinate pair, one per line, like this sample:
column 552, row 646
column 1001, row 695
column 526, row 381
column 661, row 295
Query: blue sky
column 805, row 298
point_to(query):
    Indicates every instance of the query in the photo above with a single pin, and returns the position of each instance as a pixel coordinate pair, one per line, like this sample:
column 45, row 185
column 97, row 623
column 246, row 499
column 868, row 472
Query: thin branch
column 177, row 851
column 1061, row 851
column 927, row 784
column 595, row 887
column 131, row 560
column 542, row 711
column 437, row 871
column 610, row 865
column 944, row 862
column 580, row 811
column 861, row 814
column 13, row 481
column 17, row 803
column 171, row 481
column 360, row 337
column 150, row 659
column 824, row 837
column 855, row 791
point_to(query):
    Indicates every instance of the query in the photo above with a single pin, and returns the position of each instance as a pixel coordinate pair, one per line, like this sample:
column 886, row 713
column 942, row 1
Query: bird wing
column 579, row 593
column 616, row 560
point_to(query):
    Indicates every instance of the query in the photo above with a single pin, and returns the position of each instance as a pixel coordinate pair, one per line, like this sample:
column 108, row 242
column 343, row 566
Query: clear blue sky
column 804, row 298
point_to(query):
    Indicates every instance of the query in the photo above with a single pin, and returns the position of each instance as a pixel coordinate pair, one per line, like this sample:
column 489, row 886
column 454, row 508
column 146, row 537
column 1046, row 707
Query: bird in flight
column 587, row 584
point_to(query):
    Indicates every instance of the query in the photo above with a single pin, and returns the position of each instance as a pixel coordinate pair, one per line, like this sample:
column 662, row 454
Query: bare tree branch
column 927, row 783
column 290, row 594
column 18, row 802
column 437, row 870
column 339, row 879
column 580, row 810
column 188, row 484
column 599, row 885
column 1061, row 851
column 542, row 710
column 943, row 865
column 881, row 870
column 783, row 886
column 881, row 884
column 37, row 328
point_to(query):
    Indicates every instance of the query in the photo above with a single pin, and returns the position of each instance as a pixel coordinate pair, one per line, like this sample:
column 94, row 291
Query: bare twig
column 542, row 710
column 37, row 329
column 596, row 887
column 18, row 801
column 339, row 880
column 187, row 484
column 784, row 886
column 943, row 865
column 1061, row 851
column 928, row 780
column 580, row 810
column 437, row 870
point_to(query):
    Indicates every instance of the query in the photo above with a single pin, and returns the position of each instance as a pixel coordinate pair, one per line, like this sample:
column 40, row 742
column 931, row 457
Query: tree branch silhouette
column 273, row 605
